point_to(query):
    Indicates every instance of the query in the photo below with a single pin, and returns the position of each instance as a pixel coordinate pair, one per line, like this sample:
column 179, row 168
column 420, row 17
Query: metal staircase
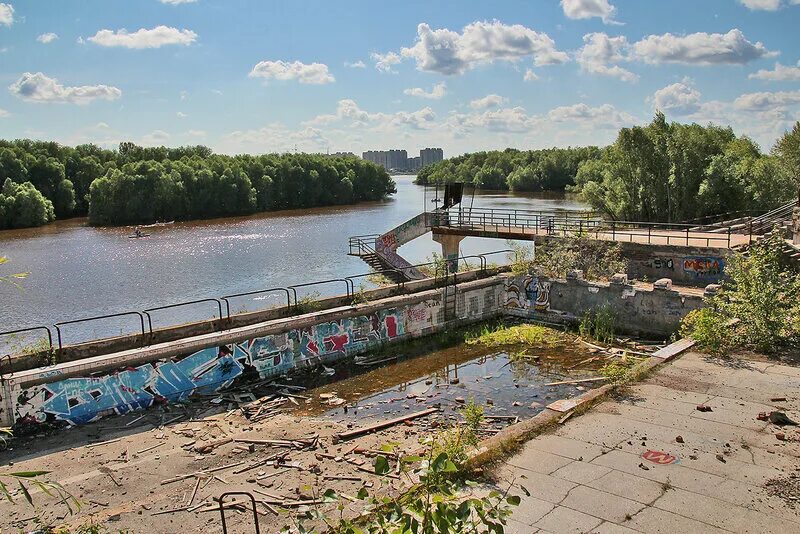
column 362, row 246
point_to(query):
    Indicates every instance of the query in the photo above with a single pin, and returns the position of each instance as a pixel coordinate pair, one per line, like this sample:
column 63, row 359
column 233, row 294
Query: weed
column 598, row 324
column 309, row 303
column 525, row 334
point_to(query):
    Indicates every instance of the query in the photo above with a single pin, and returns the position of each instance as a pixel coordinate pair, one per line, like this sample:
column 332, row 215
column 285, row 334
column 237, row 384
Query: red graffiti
column 389, row 241
column 659, row 457
column 336, row 343
column 702, row 265
column 391, row 326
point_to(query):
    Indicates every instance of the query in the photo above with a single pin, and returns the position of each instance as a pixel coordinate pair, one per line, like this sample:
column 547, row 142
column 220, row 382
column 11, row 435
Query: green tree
column 787, row 149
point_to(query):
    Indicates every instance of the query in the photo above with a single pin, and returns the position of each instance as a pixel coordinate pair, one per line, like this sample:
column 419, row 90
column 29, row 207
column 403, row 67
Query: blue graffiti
column 82, row 400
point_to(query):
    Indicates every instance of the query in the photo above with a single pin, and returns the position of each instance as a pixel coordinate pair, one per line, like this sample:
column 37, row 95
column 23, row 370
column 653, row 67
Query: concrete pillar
column 450, row 245
column 796, row 225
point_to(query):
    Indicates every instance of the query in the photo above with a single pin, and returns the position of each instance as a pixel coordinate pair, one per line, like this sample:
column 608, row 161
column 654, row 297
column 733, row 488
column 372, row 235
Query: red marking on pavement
column 659, row 457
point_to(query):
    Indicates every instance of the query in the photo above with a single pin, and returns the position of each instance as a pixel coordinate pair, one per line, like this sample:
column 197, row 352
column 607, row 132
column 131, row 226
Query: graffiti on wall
column 704, row 267
column 664, row 264
column 81, row 400
column 531, row 293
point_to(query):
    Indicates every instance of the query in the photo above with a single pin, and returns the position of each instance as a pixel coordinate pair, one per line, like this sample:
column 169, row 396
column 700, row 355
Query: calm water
column 77, row 271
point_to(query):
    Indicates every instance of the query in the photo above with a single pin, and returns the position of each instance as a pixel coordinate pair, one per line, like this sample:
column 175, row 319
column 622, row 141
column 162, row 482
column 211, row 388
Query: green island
column 42, row 181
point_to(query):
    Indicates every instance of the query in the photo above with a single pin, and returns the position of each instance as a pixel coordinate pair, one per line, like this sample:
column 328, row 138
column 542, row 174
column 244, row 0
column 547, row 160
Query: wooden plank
column 581, row 381
column 384, row 424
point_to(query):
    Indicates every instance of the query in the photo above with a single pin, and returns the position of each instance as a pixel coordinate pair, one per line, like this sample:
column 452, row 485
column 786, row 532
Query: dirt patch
column 786, row 489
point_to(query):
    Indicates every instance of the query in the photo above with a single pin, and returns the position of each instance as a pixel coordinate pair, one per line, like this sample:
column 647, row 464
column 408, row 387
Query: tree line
column 666, row 172
column 42, row 181
column 551, row 169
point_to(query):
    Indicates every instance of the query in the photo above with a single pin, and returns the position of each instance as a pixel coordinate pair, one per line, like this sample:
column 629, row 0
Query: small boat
column 137, row 236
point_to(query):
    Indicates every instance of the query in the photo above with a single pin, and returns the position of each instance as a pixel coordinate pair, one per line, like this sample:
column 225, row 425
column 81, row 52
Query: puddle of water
column 449, row 377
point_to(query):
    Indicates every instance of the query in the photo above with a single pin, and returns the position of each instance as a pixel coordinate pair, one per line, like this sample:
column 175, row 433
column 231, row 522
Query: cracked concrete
column 590, row 475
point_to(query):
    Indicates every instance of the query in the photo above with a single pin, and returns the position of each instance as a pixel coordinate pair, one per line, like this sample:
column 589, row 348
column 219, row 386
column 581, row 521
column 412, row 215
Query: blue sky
column 266, row 76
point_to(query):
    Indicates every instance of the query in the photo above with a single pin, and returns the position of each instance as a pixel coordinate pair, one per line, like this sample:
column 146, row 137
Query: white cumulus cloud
column 488, row 101
column 311, row 73
column 768, row 5
column 530, row 76
column 177, row 2
column 40, row 88
column 438, row 91
column 355, row 64
column 766, row 100
column 679, row 98
column 450, row 52
column 599, row 54
column 781, row 73
column 4, row 113
column 47, row 38
column 385, row 62
column 6, row 14
column 604, row 116
column 586, row 9
column 144, row 38
column 700, row 48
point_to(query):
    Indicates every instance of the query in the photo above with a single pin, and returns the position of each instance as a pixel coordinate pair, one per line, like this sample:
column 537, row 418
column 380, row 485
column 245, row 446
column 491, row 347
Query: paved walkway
column 590, row 474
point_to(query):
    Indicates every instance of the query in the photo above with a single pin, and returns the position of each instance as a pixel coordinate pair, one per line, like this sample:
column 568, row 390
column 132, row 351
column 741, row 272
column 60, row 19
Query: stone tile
column 544, row 487
column 539, row 461
column 581, row 472
column 531, row 510
column 601, row 504
column 652, row 390
column 702, row 508
column 563, row 520
column 626, row 485
column 515, row 527
column 567, row 447
column 759, row 522
column 656, row 521
column 612, row 528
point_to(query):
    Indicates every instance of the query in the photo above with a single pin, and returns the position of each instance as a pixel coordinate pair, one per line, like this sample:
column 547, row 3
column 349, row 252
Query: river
column 78, row 271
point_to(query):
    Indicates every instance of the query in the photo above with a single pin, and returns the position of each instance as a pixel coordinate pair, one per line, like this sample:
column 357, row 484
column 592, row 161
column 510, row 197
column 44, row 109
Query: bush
column 599, row 260
column 762, row 292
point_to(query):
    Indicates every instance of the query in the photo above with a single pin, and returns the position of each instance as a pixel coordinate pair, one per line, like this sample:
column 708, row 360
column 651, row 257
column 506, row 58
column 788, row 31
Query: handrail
column 293, row 288
column 228, row 304
column 31, row 329
column 178, row 305
column 109, row 316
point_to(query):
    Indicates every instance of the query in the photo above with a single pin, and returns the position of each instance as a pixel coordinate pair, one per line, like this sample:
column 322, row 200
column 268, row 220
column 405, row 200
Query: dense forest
column 42, row 181
column 666, row 172
column 551, row 169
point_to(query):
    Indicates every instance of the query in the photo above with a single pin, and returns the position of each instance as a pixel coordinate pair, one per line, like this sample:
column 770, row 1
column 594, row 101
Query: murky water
column 77, row 271
column 448, row 378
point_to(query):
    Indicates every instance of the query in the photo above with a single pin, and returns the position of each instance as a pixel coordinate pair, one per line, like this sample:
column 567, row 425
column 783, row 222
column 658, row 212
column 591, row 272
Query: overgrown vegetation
column 762, row 292
column 437, row 504
column 673, row 172
column 599, row 324
column 44, row 180
column 524, row 334
column 550, row 169
column 599, row 260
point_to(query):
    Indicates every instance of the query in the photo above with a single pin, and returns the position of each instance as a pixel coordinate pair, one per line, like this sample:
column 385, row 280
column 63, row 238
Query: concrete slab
column 725, row 456
column 538, row 461
column 567, row 521
column 601, row 504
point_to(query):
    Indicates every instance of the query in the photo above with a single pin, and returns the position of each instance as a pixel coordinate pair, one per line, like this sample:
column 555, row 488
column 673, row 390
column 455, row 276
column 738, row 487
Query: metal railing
column 146, row 332
column 570, row 225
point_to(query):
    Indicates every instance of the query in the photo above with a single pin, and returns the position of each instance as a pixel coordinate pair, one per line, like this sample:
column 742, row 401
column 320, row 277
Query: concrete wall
column 647, row 312
column 796, row 226
column 83, row 391
column 694, row 266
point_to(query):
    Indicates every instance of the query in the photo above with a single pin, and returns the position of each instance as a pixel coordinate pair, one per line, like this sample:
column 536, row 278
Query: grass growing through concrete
column 524, row 334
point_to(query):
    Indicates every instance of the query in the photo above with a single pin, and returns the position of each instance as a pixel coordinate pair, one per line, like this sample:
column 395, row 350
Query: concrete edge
column 511, row 438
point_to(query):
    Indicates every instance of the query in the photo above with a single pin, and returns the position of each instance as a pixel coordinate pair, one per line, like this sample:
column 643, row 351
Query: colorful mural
column 527, row 293
column 81, row 400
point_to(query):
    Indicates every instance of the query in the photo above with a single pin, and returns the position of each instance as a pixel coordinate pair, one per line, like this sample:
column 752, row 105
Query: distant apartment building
column 431, row 155
column 398, row 160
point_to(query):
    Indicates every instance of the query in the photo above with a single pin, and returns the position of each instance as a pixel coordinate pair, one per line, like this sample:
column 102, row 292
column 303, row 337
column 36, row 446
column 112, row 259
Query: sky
column 260, row 76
